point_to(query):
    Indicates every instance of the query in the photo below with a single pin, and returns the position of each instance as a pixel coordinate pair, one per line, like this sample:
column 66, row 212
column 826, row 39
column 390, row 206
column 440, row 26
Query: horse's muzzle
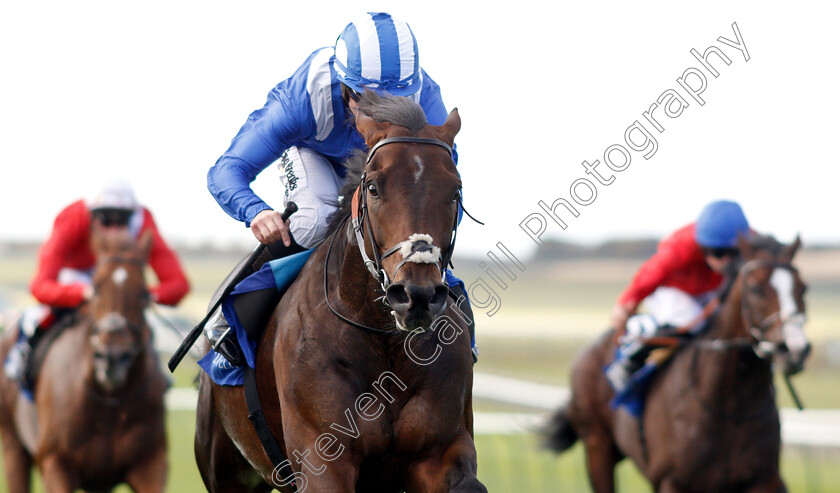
column 795, row 362
column 416, row 306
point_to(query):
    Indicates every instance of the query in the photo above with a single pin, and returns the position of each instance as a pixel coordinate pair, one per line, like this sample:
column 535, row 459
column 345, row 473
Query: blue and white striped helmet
column 378, row 52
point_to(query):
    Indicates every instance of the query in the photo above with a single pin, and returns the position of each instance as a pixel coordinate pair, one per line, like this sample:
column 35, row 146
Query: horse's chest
column 113, row 442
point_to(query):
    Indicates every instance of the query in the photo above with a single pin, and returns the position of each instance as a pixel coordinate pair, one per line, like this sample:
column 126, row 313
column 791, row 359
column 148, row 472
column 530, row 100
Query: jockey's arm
column 264, row 136
column 651, row 275
column 68, row 236
column 172, row 282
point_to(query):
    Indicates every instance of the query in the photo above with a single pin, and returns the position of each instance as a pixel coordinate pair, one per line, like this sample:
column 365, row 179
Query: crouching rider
column 66, row 261
column 307, row 127
column 676, row 284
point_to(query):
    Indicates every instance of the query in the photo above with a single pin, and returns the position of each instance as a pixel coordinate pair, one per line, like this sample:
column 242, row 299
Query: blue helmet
column 378, row 52
column 719, row 225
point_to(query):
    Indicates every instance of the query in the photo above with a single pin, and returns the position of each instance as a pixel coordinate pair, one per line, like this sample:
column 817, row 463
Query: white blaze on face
column 793, row 321
column 119, row 275
column 419, row 163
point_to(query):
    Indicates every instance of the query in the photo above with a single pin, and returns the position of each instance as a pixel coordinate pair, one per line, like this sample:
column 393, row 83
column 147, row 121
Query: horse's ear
column 99, row 238
column 745, row 247
column 372, row 131
column 144, row 244
column 790, row 250
column 451, row 126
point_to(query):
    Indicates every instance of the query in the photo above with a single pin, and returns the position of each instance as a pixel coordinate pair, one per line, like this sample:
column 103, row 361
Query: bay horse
column 98, row 415
column 710, row 421
column 364, row 370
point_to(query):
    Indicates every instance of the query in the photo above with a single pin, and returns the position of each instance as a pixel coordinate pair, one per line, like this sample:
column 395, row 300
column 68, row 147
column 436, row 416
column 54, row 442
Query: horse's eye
column 756, row 289
column 372, row 190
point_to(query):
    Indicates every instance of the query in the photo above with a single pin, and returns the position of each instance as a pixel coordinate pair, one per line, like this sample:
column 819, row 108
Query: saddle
column 41, row 341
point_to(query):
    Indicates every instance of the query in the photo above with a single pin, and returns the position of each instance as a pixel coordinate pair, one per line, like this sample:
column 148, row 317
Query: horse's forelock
column 398, row 110
column 766, row 243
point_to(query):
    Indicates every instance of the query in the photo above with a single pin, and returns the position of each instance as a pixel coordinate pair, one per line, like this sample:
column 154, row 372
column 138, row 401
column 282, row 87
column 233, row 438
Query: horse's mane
column 383, row 108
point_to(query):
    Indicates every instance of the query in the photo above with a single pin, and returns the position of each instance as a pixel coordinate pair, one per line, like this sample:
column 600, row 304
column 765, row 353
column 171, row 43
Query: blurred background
column 154, row 91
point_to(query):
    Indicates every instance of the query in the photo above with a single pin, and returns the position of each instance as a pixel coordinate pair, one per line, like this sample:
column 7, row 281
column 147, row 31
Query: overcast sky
column 154, row 91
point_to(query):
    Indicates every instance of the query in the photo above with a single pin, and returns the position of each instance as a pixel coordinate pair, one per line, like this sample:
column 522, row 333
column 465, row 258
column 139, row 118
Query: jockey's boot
column 253, row 308
column 218, row 335
column 16, row 360
column 621, row 370
column 462, row 303
column 30, row 332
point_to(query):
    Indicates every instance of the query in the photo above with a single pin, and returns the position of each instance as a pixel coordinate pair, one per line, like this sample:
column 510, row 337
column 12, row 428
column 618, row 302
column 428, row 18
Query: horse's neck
column 353, row 284
column 734, row 377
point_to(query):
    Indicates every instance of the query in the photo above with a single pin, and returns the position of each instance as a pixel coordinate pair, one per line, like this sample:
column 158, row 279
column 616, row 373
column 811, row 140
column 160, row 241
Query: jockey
column 307, row 126
column 676, row 283
column 63, row 281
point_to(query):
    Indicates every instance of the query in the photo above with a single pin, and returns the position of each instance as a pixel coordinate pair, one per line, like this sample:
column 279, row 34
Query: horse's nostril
column 398, row 296
column 405, row 297
column 439, row 297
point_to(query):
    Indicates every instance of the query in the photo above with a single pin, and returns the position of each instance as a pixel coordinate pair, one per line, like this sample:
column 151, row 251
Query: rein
column 756, row 339
column 327, row 290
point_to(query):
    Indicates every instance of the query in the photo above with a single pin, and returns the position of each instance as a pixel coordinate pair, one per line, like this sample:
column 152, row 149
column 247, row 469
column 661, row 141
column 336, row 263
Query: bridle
column 410, row 248
column 359, row 212
column 756, row 340
column 136, row 329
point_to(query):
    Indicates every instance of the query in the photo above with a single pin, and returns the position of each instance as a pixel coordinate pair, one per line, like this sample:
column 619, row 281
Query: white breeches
column 667, row 306
column 312, row 183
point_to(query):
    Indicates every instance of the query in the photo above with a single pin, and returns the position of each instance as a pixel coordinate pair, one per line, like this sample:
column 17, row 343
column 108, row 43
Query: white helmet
column 116, row 194
column 378, row 52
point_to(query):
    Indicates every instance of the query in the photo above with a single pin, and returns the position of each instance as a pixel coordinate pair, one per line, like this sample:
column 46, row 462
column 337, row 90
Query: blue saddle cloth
column 634, row 394
column 632, row 397
column 277, row 273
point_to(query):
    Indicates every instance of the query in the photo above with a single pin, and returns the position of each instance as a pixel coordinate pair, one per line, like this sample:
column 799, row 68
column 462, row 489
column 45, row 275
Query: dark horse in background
column 359, row 392
column 98, row 415
column 710, row 422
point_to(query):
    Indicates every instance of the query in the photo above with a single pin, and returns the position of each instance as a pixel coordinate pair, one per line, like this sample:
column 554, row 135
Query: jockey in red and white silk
column 676, row 284
column 66, row 261
column 678, row 263
column 69, row 248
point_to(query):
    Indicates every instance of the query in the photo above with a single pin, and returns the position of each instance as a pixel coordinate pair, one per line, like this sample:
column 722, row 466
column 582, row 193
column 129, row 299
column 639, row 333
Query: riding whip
column 185, row 346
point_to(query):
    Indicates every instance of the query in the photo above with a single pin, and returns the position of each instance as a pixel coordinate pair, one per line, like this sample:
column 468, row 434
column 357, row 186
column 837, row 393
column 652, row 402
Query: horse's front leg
column 58, row 476
column 17, row 460
column 149, row 476
column 312, row 474
column 452, row 470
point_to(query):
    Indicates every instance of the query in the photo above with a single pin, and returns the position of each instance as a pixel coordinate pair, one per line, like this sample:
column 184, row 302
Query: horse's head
column 119, row 330
column 406, row 206
column 772, row 301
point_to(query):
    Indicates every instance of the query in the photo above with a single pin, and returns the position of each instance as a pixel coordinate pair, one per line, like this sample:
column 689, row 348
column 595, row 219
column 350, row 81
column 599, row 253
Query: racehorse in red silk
column 366, row 382
column 98, row 417
column 710, row 421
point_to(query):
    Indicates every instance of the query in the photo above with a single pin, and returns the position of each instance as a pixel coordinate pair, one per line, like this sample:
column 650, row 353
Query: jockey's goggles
column 722, row 252
column 112, row 217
